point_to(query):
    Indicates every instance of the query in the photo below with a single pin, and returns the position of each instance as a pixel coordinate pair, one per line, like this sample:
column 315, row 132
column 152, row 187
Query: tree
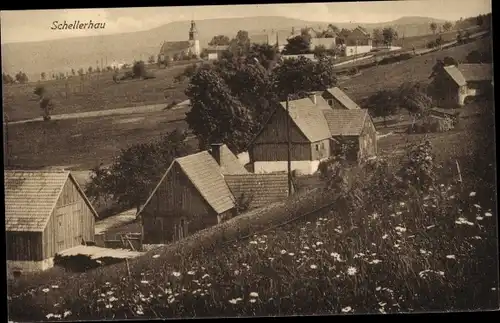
column 135, row 172
column 43, row 76
column 333, row 28
column 151, row 59
column 7, row 79
column 216, row 115
column 343, row 35
column 139, row 69
column 73, row 72
column 433, row 27
column 447, row 26
column 219, row 40
column 81, row 73
column 298, row 45
column 97, row 70
column 319, row 51
column 378, row 37
column 265, row 54
column 413, row 98
column 383, row 104
column 477, row 57
column 389, row 35
column 299, row 76
column 90, row 69
column 21, row 77
column 479, row 20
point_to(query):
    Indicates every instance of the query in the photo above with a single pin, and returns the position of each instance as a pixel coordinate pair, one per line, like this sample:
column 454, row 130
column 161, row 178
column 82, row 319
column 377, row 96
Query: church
column 190, row 47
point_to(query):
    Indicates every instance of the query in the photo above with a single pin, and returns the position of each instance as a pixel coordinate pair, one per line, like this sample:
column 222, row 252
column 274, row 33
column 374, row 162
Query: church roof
column 174, row 47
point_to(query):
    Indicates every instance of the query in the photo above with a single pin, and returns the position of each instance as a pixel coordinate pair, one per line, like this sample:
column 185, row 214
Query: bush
column 352, row 71
column 139, row 70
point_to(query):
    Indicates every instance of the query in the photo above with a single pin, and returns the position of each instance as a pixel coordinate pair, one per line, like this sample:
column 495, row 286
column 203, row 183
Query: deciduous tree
column 219, row 40
column 389, row 35
column 298, row 45
column 383, row 104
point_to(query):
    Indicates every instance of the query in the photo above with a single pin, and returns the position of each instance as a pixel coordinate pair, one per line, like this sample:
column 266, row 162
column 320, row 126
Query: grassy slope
column 97, row 93
column 295, row 269
column 101, row 138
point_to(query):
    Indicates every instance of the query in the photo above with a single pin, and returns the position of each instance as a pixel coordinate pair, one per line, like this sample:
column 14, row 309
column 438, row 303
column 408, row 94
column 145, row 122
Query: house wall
column 24, row 246
column 356, row 37
column 305, row 167
column 213, row 56
column 329, row 43
column 28, row 266
column 320, row 149
column 71, row 221
column 176, row 198
column 368, row 140
column 279, row 151
column 356, row 50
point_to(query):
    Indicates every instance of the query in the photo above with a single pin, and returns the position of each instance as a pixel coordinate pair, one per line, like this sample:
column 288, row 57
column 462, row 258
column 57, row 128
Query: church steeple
column 193, row 32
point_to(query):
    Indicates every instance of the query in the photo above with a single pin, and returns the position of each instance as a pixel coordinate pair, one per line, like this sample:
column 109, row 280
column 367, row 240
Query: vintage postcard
column 249, row 160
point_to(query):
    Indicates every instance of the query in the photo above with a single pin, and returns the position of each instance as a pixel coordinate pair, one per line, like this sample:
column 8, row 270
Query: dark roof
column 174, row 47
column 346, row 122
column 343, row 98
column 308, row 118
column 205, row 174
column 31, row 196
column 476, row 72
column 260, row 189
column 229, row 163
column 464, row 73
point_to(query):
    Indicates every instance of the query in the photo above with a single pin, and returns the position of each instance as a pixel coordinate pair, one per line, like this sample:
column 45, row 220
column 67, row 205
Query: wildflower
column 108, row 283
column 176, row 274
column 381, row 310
column 385, row 236
column 477, row 206
column 378, row 288
column 270, row 258
column 476, row 237
column 374, row 216
column 313, row 266
column 67, row 313
column 113, row 299
column 472, row 194
column 291, row 254
column 430, row 227
column 48, row 316
column 450, row 257
column 205, row 276
column 375, row 261
column 109, row 305
column 156, row 256
column 283, row 251
column 253, row 300
column 400, row 229
column 144, row 282
column 57, row 316
column 493, row 288
column 253, row 242
column 399, row 213
column 382, row 304
column 254, row 294
column 488, row 214
column 346, row 309
column 402, row 203
column 190, row 273
column 479, row 218
column 45, row 290
column 236, row 272
column 306, row 248
column 54, row 287
column 319, row 243
column 351, row 271
column 396, row 245
column 110, row 292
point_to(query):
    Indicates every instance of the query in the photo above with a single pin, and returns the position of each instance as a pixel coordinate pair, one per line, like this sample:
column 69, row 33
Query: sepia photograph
column 244, row 160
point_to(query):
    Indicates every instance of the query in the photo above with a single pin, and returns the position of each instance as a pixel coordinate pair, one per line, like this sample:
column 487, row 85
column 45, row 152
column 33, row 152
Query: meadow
column 405, row 251
column 95, row 92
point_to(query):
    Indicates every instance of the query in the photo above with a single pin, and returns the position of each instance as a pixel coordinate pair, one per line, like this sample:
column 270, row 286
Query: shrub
column 352, row 71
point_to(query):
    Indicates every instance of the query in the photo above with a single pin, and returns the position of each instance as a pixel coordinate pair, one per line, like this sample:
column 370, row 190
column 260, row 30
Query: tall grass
column 393, row 245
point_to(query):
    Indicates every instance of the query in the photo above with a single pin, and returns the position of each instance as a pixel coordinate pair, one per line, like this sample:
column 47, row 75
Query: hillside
column 63, row 54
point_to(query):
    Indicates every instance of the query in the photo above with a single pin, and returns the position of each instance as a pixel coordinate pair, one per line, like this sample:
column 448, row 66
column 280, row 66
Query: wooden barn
column 196, row 192
column 455, row 84
column 46, row 212
column 309, row 136
column 316, row 133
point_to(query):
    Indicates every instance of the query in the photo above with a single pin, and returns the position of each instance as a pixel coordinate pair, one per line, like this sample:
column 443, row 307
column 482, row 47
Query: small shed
column 338, row 99
column 46, row 212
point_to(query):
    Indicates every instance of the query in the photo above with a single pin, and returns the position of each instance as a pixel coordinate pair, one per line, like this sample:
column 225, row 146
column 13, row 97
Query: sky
column 35, row 25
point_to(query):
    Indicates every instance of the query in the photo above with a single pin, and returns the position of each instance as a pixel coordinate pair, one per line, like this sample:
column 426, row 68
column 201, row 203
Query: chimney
column 216, row 152
column 312, row 96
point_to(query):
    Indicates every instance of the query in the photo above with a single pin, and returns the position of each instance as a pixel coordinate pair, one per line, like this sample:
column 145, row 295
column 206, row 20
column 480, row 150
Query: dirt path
column 100, row 113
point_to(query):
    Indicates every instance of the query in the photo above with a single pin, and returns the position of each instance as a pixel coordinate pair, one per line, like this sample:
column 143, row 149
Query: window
column 330, row 102
column 317, row 147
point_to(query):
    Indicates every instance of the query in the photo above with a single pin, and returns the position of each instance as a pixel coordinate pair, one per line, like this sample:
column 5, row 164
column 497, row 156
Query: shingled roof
column 174, row 47
column 205, row 174
column 308, row 118
column 345, row 122
column 260, row 189
column 31, row 196
column 343, row 98
column 464, row 73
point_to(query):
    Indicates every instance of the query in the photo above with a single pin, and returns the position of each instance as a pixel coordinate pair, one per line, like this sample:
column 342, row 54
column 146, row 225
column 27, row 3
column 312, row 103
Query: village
column 278, row 143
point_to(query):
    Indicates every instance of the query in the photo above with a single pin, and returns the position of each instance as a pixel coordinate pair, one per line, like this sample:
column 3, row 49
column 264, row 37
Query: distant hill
column 62, row 55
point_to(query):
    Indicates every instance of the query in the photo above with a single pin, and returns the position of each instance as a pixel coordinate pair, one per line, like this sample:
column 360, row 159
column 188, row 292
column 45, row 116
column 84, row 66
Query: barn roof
column 308, row 118
column 260, row 189
column 173, row 47
column 31, row 196
column 455, row 75
column 229, row 163
column 345, row 122
column 343, row 98
column 476, row 72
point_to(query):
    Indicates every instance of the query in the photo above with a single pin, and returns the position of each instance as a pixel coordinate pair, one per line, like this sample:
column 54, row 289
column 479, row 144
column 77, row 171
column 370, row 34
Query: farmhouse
column 358, row 41
column 196, row 192
column 338, row 99
column 188, row 47
column 457, row 83
column 215, row 52
column 316, row 133
column 46, row 212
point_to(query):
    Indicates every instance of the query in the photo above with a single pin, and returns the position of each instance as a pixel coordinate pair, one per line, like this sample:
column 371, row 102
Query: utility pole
column 289, row 148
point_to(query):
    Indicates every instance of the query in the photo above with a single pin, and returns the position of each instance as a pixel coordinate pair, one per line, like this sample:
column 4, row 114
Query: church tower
column 194, row 42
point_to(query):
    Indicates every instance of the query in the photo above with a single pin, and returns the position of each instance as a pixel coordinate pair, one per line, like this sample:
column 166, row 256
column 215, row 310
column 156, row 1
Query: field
column 407, row 252
column 86, row 142
column 421, row 41
column 96, row 92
